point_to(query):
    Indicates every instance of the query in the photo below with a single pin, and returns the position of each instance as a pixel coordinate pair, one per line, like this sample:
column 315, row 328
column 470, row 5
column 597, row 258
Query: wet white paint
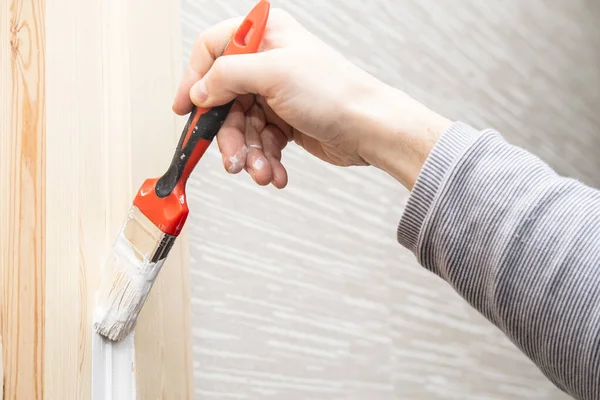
column 125, row 285
column 113, row 373
column 238, row 160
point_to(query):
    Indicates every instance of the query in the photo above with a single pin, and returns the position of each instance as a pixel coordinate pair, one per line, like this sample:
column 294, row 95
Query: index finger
column 209, row 45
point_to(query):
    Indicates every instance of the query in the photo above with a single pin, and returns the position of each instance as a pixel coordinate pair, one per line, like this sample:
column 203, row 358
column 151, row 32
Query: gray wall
column 304, row 293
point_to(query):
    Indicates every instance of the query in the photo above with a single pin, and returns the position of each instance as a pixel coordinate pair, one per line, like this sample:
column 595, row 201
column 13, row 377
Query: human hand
column 297, row 88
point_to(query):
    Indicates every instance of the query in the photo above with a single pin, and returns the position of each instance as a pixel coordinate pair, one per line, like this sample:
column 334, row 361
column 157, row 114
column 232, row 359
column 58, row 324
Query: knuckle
column 201, row 40
column 218, row 69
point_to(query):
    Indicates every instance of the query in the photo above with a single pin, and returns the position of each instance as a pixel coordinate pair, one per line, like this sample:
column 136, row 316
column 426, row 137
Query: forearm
column 519, row 243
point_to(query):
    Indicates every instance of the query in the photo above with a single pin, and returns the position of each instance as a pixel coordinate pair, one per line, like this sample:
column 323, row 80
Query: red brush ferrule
column 167, row 213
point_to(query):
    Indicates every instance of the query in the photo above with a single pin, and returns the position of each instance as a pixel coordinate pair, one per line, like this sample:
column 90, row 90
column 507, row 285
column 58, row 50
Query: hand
column 297, row 88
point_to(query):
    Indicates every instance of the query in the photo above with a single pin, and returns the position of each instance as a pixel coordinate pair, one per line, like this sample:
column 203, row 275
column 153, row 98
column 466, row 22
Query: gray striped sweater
column 520, row 243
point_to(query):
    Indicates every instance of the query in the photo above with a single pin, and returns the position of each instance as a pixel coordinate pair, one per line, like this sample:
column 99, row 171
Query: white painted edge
column 113, row 370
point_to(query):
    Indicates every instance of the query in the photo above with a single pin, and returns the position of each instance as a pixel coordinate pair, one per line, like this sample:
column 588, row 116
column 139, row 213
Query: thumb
column 235, row 75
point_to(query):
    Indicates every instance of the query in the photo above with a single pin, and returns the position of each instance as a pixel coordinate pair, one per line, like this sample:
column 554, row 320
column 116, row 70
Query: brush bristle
column 131, row 268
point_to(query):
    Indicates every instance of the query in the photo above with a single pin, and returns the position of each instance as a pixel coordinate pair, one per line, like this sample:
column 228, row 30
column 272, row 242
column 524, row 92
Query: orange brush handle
column 163, row 199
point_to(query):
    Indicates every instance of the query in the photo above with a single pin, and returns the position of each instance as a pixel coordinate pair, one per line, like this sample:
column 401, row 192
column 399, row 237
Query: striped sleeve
column 519, row 243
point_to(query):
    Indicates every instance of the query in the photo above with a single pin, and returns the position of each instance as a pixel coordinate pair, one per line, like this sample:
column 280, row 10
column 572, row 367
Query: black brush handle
column 201, row 128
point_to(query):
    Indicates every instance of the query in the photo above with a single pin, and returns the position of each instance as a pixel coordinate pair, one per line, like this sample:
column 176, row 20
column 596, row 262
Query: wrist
column 399, row 134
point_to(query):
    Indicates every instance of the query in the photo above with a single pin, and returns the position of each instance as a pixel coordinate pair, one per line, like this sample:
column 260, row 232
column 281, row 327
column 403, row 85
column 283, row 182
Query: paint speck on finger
column 237, row 161
column 258, row 164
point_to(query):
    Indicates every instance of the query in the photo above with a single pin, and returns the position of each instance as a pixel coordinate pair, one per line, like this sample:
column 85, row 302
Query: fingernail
column 198, row 92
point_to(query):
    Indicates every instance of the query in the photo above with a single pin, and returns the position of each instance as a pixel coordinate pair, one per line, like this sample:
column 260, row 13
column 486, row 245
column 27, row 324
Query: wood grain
column 163, row 335
column 304, row 293
column 22, row 188
column 67, row 179
column 77, row 200
column 110, row 125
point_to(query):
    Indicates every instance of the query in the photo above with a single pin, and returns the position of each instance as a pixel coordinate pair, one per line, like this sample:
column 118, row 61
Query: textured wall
column 304, row 293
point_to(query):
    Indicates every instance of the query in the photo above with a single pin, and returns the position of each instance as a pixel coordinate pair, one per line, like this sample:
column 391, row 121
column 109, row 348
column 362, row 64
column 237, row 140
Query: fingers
column 247, row 141
column 276, row 120
column 235, row 75
column 231, row 138
column 257, row 164
column 207, row 48
column 274, row 141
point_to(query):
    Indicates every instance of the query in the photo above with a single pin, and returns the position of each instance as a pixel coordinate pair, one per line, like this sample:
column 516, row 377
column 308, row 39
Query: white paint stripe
column 113, row 372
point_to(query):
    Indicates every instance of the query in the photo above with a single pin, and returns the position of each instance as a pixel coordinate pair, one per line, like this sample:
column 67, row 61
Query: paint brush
column 159, row 210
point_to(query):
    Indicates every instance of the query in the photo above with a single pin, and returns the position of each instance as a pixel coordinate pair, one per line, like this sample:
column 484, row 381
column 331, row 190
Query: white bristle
column 128, row 276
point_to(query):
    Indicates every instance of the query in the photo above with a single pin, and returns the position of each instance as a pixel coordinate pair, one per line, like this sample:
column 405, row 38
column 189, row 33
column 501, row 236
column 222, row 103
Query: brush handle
column 204, row 124
column 163, row 200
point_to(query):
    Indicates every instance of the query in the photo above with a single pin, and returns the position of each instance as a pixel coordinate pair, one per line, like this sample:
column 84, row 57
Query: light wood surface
column 22, row 191
column 163, row 338
column 78, row 138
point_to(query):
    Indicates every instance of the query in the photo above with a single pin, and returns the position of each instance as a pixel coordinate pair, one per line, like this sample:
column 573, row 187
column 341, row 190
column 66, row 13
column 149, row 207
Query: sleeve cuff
column 441, row 161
